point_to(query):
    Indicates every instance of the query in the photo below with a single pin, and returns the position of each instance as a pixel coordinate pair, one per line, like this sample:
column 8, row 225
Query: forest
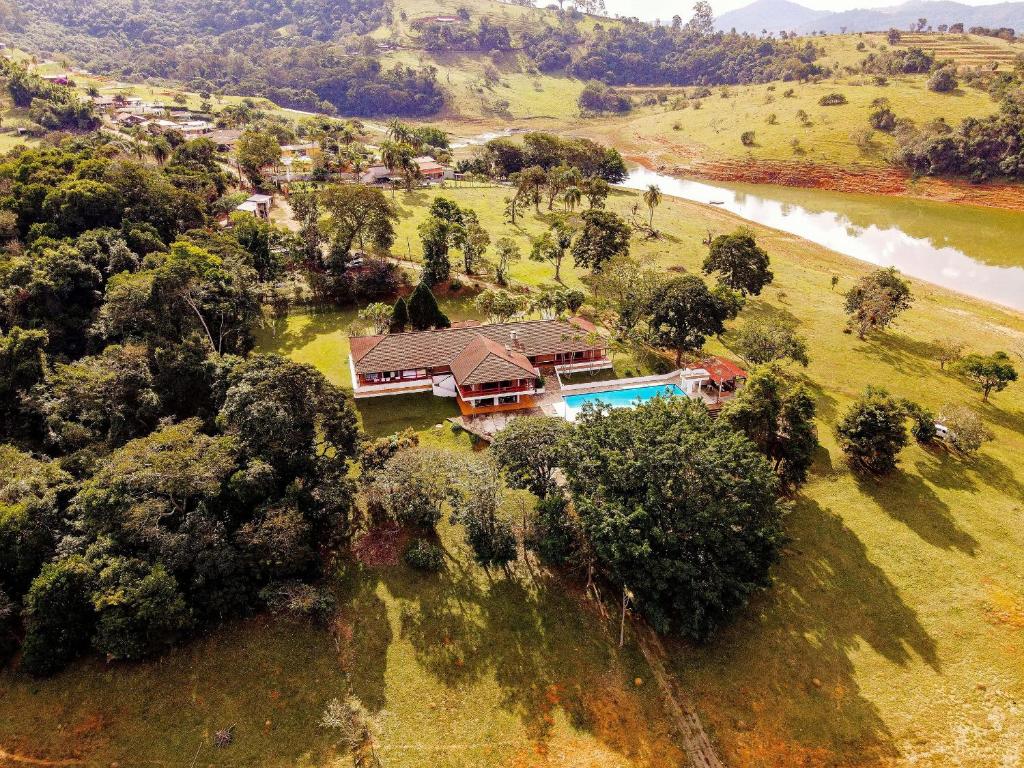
column 279, row 50
column 161, row 477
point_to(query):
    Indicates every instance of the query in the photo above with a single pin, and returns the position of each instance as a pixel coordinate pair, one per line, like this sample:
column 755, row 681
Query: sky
column 665, row 9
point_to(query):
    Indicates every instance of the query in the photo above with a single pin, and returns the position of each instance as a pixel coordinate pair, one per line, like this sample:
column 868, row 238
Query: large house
column 485, row 367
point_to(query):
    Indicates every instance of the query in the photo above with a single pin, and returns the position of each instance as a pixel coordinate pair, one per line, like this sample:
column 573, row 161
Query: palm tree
column 572, row 197
column 398, row 131
column 390, row 152
column 653, row 199
column 160, row 148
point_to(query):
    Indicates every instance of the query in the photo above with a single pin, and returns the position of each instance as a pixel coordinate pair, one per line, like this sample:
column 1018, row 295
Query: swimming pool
column 620, row 398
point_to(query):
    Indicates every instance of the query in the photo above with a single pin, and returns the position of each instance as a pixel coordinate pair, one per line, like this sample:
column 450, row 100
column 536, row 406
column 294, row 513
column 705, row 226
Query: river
column 975, row 251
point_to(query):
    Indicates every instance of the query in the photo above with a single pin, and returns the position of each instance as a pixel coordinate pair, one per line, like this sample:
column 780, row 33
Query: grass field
column 892, row 635
column 831, row 135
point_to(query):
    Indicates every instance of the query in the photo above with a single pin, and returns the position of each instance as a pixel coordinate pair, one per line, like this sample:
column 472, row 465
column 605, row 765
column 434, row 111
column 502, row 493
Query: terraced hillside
column 965, row 50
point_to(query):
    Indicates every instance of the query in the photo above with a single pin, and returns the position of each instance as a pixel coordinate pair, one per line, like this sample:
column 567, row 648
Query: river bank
column 968, row 250
column 889, row 181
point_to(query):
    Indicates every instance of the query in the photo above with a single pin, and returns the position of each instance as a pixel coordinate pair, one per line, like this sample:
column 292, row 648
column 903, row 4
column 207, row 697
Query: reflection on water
column 889, row 246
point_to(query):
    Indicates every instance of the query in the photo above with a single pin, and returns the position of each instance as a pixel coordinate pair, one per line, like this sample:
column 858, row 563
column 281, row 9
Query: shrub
column 833, row 100
column 554, row 535
column 425, row 556
column 748, row 138
column 883, row 119
column 299, row 600
column 943, row 81
column 967, row 431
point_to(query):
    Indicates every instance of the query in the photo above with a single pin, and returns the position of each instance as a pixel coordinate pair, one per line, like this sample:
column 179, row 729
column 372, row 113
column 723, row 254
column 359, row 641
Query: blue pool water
column 622, row 398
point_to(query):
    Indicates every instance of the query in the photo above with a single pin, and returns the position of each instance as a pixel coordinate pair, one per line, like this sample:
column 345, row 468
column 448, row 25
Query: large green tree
column 424, row 313
column 530, row 450
column 678, row 509
column 604, row 235
column 778, row 416
column 740, row 263
column 684, row 312
column 991, row 373
column 360, row 214
column 436, row 235
column 873, row 431
column 256, row 151
column 877, row 300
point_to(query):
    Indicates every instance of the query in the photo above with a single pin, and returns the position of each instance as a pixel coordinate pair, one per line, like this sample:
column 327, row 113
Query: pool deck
column 556, row 406
column 552, row 403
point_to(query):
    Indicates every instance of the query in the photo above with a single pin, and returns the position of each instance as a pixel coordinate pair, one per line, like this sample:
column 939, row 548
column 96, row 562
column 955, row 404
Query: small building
column 297, row 150
column 713, row 379
column 258, row 205
column 375, row 174
column 224, row 138
column 193, row 129
column 430, row 169
column 58, row 79
column 162, row 126
column 486, row 368
column 129, row 119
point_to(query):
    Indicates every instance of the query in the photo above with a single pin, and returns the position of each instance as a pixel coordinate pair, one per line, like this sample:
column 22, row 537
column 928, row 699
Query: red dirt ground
column 876, row 181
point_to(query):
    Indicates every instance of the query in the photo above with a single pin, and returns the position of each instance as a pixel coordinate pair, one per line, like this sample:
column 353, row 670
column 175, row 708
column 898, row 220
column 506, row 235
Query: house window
column 483, row 402
column 508, row 399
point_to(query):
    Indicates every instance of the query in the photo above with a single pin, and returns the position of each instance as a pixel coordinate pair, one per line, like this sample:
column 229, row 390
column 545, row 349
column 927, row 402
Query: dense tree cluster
column 157, row 476
column 598, row 98
column 503, row 157
column 52, row 106
column 484, row 36
column 981, row 149
column 285, row 50
column 898, row 61
column 633, row 53
column 679, row 510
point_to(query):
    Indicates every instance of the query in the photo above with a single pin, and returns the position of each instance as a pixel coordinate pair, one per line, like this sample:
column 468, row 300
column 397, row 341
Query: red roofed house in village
column 429, row 168
column 485, row 367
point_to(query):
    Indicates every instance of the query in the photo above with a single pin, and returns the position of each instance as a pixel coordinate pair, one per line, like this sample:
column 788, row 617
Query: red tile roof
column 440, row 348
column 722, row 370
column 485, row 360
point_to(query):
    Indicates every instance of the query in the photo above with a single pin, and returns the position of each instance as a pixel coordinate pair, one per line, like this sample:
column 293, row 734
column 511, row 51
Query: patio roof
column 722, row 370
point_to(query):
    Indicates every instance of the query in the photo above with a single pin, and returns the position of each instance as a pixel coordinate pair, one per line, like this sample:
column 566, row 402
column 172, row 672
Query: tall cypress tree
column 399, row 315
column 423, row 310
column 437, row 267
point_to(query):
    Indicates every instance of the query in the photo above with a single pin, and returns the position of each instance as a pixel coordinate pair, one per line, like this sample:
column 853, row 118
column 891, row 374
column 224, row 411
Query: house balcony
column 474, row 393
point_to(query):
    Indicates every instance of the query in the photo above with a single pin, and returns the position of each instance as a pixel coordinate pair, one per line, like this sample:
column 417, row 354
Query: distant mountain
column 771, row 15
column 782, row 15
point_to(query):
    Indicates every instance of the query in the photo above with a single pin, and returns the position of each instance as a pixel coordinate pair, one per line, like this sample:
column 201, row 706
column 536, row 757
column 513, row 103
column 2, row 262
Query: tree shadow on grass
column 907, row 498
column 542, row 648
column 903, row 353
column 284, row 337
column 364, row 635
column 760, row 309
column 784, row 669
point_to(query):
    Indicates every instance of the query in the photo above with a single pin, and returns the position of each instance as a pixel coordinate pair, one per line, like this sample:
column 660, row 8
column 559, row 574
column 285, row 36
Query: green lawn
column 713, row 131
column 897, row 599
column 891, row 637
